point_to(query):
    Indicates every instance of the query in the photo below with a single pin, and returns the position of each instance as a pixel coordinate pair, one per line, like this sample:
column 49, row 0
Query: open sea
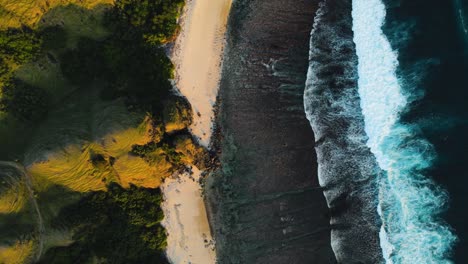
column 386, row 96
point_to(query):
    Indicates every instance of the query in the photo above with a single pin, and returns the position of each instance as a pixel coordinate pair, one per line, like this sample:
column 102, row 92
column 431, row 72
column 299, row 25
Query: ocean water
column 392, row 102
column 410, row 202
column 431, row 40
column 347, row 169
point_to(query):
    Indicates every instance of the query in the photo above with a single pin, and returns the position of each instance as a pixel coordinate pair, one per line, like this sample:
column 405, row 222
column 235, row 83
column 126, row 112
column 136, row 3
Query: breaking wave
column 372, row 165
column 348, row 171
column 410, row 203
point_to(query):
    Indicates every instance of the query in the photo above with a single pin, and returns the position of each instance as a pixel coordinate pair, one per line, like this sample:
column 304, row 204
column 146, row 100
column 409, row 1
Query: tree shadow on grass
column 116, row 57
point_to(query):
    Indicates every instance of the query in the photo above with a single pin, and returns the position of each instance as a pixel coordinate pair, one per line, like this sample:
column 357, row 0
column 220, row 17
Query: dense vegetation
column 127, row 66
column 116, row 226
column 168, row 151
column 23, row 101
column 156, row 19
column 121, row 225
column 130, row 61
column 127, row 62
column 18, row 46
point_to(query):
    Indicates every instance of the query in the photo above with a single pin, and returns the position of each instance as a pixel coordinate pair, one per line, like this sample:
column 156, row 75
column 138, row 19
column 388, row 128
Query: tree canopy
column 157, row 19
column 116, row 226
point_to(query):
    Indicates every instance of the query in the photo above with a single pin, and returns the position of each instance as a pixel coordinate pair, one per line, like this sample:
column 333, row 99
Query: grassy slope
column 45, row 73
column 58, row 153
column 14, row 13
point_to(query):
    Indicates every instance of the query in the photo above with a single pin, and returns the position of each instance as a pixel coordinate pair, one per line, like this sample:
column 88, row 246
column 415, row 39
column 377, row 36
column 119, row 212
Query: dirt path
column 40, row 221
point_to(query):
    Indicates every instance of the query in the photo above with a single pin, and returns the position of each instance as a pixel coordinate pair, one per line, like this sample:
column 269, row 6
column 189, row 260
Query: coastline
column 197, row 56
column 265, row 203
column 189, row 239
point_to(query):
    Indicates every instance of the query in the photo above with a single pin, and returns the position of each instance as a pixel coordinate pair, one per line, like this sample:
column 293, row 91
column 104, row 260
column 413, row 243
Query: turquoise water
column 410, row 203
column 460, row 13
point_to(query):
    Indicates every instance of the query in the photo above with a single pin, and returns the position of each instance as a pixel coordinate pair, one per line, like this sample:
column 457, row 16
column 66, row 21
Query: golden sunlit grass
column 72, row 167
column 134, row 170
column 19, row 253
column 82, row 19
column 81, row 145
column 14, row 199
column 13, row 190
column 85, row 142
column 190, row 151
column 14, row 13
column 117, row 129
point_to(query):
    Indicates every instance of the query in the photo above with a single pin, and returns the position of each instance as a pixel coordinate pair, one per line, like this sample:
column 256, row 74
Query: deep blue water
column 388, row 101
column 433, row 55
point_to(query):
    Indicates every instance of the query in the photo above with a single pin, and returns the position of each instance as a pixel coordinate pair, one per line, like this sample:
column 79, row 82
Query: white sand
column 189, row 239
column 197, row 55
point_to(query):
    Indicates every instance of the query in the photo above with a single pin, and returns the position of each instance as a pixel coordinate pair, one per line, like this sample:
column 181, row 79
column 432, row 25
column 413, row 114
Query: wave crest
column 409, row 202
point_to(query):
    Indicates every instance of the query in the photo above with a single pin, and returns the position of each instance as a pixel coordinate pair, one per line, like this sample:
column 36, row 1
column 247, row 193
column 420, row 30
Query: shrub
column 83, row 64
column 19, row 45
column 156, row 19
column 53, row 38
column 23, row 101
column 117, row 226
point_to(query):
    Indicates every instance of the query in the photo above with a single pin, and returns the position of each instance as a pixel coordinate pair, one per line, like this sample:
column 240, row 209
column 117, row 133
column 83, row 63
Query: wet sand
column 265, row 204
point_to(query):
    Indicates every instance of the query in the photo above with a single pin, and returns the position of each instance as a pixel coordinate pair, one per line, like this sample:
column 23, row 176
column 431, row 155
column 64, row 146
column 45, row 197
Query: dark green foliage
column 172, row 155
column 17, row 225
column 5, row 70
column 169, row 152
column 23, row 101
column 53, row 38
column 143, row 150
column 127, row 67
column 156, row 19
column 126, row 63
column 19, row 45
column 73, row 254
column 137, row 70
column 118, row 226
column 84, row 64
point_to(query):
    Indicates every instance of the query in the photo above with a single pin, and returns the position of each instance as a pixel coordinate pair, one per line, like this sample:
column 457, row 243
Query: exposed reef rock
column 265, row 203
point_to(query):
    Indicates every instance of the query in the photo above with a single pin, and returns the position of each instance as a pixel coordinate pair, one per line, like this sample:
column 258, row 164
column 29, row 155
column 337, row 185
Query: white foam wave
column 346, row 168
column 409, row 202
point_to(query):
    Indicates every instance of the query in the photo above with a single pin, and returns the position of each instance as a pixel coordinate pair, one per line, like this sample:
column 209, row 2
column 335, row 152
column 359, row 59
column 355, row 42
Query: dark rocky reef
column 265, row 202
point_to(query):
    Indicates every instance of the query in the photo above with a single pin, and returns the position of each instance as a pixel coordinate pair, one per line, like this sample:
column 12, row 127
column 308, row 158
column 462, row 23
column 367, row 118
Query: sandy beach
column 197, row 55
column 185, row 219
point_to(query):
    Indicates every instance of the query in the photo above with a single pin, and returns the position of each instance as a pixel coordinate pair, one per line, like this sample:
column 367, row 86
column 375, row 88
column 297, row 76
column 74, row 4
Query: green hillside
column 89, row 127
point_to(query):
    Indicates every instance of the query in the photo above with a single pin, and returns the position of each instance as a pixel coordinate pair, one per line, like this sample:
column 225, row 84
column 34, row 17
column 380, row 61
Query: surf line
column 410, row 203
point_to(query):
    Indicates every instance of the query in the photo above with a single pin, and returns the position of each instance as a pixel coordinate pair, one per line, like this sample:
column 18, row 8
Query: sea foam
column 409, row 203
column 347, row 170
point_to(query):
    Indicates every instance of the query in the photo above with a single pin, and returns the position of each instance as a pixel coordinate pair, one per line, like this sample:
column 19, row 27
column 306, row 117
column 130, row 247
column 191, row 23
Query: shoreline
column 264, row 201
column 197, row 55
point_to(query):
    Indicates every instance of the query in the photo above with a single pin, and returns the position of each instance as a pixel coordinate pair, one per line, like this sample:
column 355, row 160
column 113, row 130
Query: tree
column 117, row 226
column 23, row 101
column 156, row 19
column 19, row 45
